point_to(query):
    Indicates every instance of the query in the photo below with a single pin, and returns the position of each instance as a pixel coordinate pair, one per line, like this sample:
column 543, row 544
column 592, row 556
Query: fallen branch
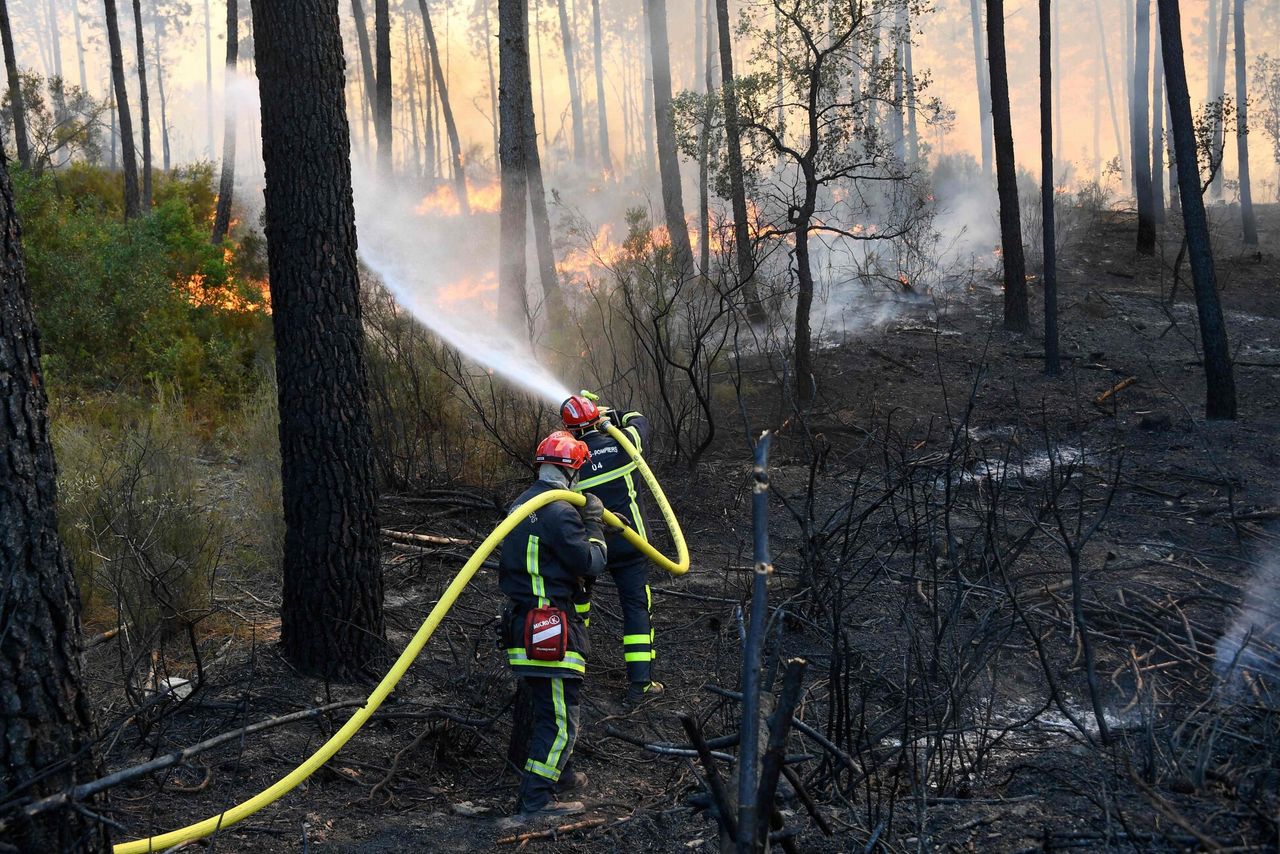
column 1111, row 392
column 552, row 832
column 429, row 539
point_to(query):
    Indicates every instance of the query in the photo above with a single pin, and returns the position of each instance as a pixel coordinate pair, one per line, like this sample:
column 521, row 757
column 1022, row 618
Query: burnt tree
column 1140, row 130
column 1248, row 220
column 575, row 93
column 984, row 86
column 1052, row 364
column 446, row 110
column 1220, row 397
column 668, row 159
column 382, row 85
column 132, row 204
column 1015, row 270
column 227, row 180
column 47, row 728
column 23, row 148
column 331, row 613
column 144, row 105
column 602, row 109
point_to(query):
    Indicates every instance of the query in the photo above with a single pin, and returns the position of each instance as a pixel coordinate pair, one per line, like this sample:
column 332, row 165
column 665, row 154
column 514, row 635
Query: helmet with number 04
column 579, row 412
column 562, row 449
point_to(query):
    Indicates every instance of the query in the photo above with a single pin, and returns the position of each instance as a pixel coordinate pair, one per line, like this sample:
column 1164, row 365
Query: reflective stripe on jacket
column 611, row 476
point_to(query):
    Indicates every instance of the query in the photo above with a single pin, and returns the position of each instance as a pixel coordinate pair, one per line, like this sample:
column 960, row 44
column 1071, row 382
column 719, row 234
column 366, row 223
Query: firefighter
column 544, row 564
column 611, row 476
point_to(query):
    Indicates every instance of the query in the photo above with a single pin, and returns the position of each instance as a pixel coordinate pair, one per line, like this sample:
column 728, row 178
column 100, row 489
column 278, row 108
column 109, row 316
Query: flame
column 443, row 201
column 243, row 296
column 482, row 290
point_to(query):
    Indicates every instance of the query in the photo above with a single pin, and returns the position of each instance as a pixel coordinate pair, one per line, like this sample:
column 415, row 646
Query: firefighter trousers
column 636, row 599
column 555, row 729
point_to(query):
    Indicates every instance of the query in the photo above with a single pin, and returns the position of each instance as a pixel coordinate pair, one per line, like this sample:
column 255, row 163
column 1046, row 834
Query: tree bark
column 165, row 153
column 513, row 73
column 1015, row 274
column 737, row 188
column 984, row 86
column 668, row 159
column 46, row 733
column 553, row 298
column 575, row 94
column 704, row 13
column 382, row 87
column 227, row 181
column 331, row 621
column 128, row 153
column 144, row 100
column 1248, row 220
column 1157, row 134
column 21, row 144
column 411, row 91
column 493, row 81
column 1140, row 130
column 1052, row 364
column 368, row 76
column 451, row 129
column 1218, row 74
column 602, row 110
column 1220, row 398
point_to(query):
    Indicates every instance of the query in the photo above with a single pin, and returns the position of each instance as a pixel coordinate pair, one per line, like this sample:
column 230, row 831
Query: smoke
column 1250, row 648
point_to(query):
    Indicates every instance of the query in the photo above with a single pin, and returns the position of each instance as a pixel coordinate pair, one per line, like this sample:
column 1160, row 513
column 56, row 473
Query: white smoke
column 1250, row 648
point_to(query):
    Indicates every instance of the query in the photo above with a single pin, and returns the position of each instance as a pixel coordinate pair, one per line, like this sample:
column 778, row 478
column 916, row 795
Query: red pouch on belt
column 546, row 634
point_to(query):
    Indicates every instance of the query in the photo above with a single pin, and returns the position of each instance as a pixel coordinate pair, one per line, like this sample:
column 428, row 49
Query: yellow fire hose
column 335, row 743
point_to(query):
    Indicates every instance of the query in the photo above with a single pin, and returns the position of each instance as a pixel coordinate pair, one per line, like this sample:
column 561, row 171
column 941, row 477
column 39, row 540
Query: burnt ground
column 942, row 581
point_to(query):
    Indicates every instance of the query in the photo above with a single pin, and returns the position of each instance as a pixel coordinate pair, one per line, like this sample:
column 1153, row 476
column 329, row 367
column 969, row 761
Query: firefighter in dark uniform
column 543, row 566
column 612, row 477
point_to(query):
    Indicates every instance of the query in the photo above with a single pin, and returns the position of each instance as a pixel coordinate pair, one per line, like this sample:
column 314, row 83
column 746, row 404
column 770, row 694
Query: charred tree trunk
column 704, row 139
column 575, row 94
column 367, row 75
column 737, row 187
column 805, row 382
column 382, row 86
column 553, row 298
column 984, row 86
column 411, row 91
column 144, row 105
column 451, row 129
column 1157, row 134
column 1140, row 130
column 165, row 153
column 227, row 181
column 1220, row 399
column 602, row 111
column 132, row 205
column 668, row 159
column 1059, row 146
column 1015, row 271
column 513, row 71
column 1248, row 220
column 1218, row 74
column 47, row 743
column 21, row 144
column 331, row 613
column 1052, row 365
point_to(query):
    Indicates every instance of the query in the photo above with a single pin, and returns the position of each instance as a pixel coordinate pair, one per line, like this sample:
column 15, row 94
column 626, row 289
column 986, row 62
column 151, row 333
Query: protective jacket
column 544, row 561
column 611, row 476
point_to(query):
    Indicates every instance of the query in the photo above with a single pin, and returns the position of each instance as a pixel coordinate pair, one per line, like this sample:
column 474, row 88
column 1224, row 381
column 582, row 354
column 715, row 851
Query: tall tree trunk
column 1141, row 130
column 1052, row 365
column 442, row 87
column 46, row 733
column 780, row 94
column 575, row 96
column 984, row 86
column 513, row 68
column 144, row 105
column 368, row 77
column 164, row 101
column 733, row 146
column 805, row 384
column 913, row 127
column 208, row 73
column 1248, row 220
column 668, row 159
column 429, row 113
column 542, row 80
column 1175, row 194
column 75, row 18
column 114, row 139
column 383, row 101
column 647, row 125
column 227, row 181
column 1059, row 147
column 493, row 81
column 602, row 107
column 899, row 90
column 1157, row 134
column 331, row 620
column 1129, row 15
column 704, row 138
column 411, row 92
column 1220, row 398
column 1218, row 74
column 132, row 205
column 1106, row 68
column 1015, row 271
column 55, row 43
column 21, row 144
column 553, row 298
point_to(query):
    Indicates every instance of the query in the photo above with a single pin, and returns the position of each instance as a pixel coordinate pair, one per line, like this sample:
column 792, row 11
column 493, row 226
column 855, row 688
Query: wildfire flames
column 236, row 295
column 443, row 201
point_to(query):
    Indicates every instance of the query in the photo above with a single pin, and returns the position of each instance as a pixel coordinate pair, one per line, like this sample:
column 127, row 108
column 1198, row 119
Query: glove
column 592, row 514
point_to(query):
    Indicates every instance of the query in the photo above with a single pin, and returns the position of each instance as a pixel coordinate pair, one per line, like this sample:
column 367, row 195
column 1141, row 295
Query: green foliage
column 115, row 301
column 69, row 127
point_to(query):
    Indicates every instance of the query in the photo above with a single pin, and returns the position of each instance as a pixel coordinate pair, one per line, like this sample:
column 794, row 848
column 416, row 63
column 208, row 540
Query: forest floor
column 939, row 392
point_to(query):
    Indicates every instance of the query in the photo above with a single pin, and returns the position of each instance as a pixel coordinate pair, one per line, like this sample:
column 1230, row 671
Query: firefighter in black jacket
column 612, row 477
column 544, row 564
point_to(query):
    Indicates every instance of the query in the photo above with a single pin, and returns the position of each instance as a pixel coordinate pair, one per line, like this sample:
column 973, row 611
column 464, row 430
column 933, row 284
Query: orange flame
column 443, row 201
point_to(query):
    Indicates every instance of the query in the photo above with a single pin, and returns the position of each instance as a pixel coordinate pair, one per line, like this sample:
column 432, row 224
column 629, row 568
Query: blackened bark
column 382, row 85
column 15, row 90
column 575, row 95
column 984, row 86
column 1015, row 271
column 1248, row 220
column 367, row 75
column 331, row 620
column 128, row 153
column 602, row 110
column 144, row 100
column 46, row 732
column 1157, row 134
column 451, row 129
column 1052, row 365
column 668, row 159
column 227, row 181
column 513, row 74
column 1220, row 398
column 737, row 188
column 705, row 13
column 1140, row 130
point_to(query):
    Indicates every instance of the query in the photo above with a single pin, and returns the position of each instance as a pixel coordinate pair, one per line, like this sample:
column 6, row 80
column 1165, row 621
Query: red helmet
column 562, row 449
column 579, row 412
